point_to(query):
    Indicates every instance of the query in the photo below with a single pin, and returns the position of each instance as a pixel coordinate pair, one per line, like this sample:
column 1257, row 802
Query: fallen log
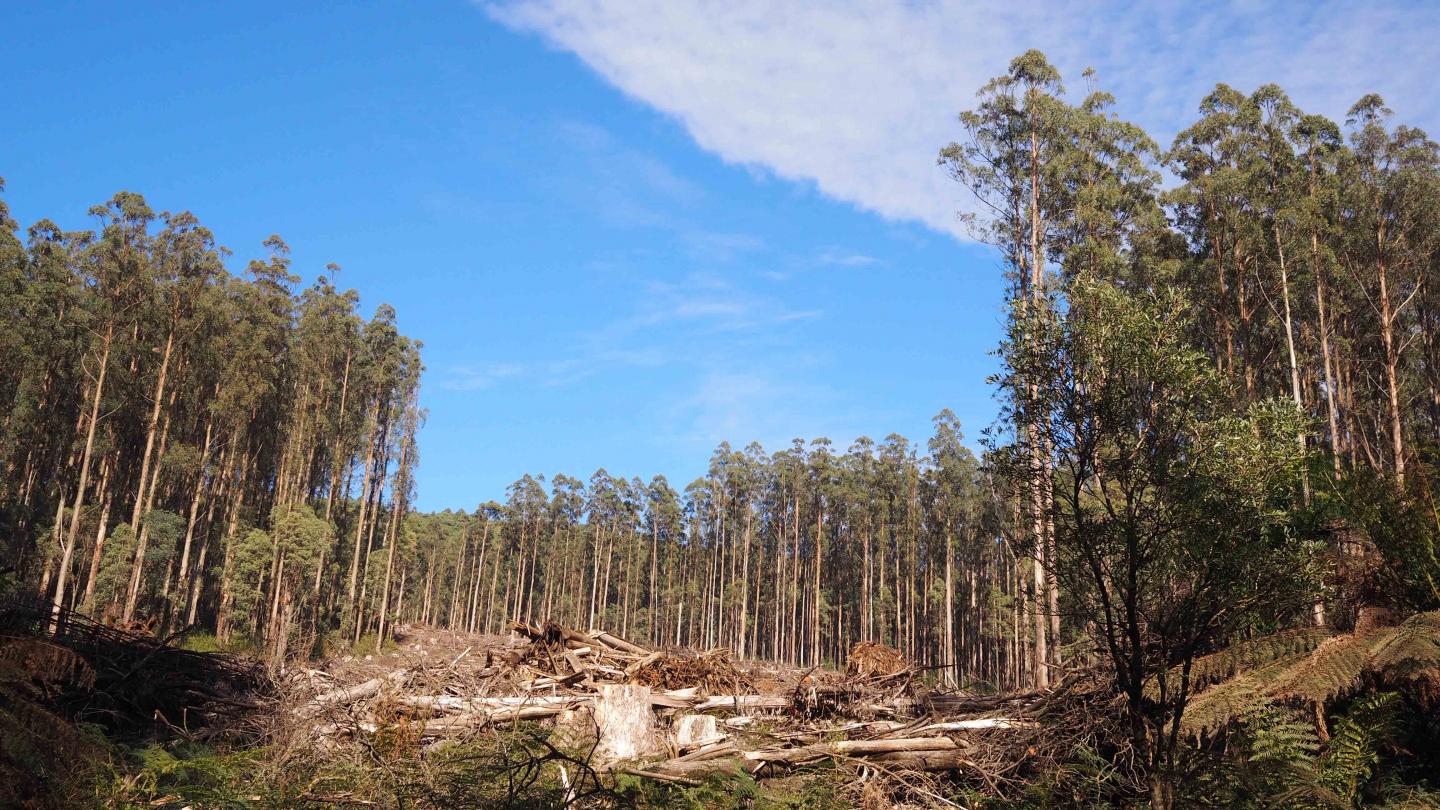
column 853, row 748
column 452, row 703
column 740, row 702
column 921, row 760
column 663, row 777
column 979, row 723
column 352, row 694
column 619, row 643
column 927, row 753
column 461, row 724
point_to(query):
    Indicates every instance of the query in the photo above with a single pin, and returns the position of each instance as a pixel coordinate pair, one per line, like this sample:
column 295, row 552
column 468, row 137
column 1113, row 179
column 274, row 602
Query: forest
column 1211, row 487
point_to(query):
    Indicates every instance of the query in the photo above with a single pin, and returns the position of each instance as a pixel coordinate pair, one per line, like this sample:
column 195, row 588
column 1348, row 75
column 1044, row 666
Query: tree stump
column 696, row 730
column 626, row 724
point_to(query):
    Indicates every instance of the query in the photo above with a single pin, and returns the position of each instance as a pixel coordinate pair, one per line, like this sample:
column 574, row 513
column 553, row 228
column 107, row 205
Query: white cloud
column 476, row 378
column 843, row 258
column 857, row 97
column 770, row 407
column 699, row 321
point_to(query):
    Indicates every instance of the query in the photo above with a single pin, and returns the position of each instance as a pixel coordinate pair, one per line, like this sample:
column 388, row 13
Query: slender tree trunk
column 101, row 528
column 100, row 537
column 745, row 583
column 1294, row 366
column 950, row 663
column 365, row 497
column 1391, row 363
column 132, row 596
column 69, row 548
column 195, row 498
column 336, row 466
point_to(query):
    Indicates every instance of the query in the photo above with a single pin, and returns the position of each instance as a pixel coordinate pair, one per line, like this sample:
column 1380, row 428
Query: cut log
column 695, row 731
column 664, row 700
column 461, row 724
column 699, row 769
column 861, row 747
column 742, row 702
column 854, row 748
column 619, row 643
column 626, row 724
column 452, row 703
column 352, row 694
column 573, row 661
column 665, row 777
column 979, row 723
column 916, row 753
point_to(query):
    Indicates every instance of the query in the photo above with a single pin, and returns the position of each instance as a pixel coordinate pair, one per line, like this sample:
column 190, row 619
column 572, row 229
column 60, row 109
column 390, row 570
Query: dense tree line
column 789, row 556
column 184, row 446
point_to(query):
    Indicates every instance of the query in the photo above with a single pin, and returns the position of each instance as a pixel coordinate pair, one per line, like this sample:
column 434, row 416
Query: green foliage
column 115, row 560
column 184, row 774
column 1354, row 751
column 249, row 564
column 1251, row 654
column 165, row 529
column 1287, row 765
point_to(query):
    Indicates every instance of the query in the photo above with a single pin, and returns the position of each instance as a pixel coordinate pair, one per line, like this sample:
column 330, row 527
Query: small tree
column 1169, row 507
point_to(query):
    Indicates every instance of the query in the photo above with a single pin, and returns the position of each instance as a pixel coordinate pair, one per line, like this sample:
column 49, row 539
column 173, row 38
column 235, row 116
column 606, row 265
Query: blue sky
column 626, row 232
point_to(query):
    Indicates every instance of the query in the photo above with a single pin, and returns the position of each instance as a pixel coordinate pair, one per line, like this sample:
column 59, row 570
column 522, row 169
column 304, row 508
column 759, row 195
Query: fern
column 1286, row 763
column 1412, row 651
column 1284, row 738
column 1234, row 700
column 1406, row 655
column 1333, row 669
column 1244, row 656
column 1350, row 758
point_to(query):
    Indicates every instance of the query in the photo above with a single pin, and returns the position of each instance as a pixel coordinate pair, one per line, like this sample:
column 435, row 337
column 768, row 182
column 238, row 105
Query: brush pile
column 126, row 680
column 672, row 715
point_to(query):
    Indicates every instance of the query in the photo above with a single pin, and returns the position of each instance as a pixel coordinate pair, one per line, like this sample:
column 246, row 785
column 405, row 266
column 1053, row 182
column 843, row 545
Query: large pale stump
column 626, row 724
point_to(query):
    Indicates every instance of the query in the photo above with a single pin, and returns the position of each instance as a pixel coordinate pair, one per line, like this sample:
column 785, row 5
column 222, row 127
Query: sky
column 626, row 232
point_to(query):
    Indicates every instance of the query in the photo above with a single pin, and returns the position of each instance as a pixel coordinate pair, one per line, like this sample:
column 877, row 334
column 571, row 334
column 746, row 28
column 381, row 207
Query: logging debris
column 124, row 679
column 674, row 715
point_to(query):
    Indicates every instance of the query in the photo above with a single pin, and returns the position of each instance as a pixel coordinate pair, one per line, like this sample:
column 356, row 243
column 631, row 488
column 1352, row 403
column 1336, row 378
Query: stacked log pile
column 672, row 715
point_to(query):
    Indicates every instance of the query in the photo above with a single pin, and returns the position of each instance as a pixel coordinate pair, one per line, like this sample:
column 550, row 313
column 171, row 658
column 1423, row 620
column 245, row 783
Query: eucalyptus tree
column 1016, row 141
column 954, row 503
column 116, row 263
column 1390, row 200
column 1319, row 146
column 664, row 525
